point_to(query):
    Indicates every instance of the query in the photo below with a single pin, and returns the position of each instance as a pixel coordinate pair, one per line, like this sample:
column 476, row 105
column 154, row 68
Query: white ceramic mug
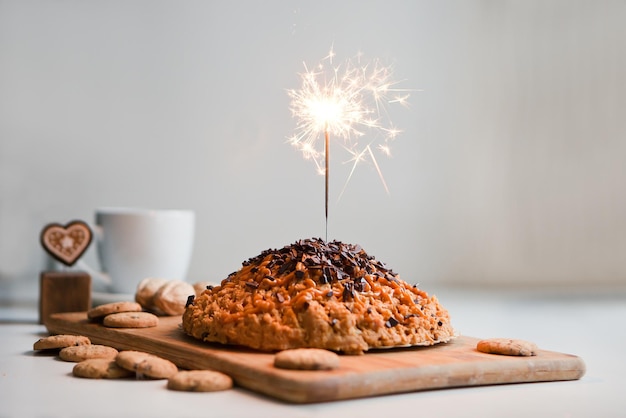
column 133, row 244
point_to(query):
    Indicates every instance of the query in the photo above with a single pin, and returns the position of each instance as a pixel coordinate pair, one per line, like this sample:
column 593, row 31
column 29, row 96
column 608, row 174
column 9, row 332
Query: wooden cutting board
column 380, row 372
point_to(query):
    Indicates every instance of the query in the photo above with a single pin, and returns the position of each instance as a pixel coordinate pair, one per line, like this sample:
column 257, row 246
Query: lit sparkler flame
column 348, row 101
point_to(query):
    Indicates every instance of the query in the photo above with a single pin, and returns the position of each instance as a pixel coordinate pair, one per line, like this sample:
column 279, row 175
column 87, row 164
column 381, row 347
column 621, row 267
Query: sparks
column 347, row 101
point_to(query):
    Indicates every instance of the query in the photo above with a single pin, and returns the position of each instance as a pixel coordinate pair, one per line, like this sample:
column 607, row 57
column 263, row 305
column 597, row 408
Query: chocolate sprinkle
column 348, row 291
column 392, row 322
column 359, row 284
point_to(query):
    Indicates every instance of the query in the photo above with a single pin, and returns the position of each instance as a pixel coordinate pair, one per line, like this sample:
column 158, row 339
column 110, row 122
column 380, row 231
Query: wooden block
column 63, row 291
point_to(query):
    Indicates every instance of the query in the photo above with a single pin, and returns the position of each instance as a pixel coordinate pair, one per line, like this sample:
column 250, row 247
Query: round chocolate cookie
column 131, row 320
column 84, row 352
column 100, row 368
column 146, row 365
column 199, row 381
column 317, row 294
column 101, row 311
column 55, row 342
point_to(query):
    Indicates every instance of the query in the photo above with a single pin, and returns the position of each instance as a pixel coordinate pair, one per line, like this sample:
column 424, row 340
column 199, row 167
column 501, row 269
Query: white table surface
column 592, row 327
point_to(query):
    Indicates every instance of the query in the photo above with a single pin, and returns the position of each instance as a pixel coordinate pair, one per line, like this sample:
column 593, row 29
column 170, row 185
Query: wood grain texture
column 63, row 291
column 455, row 364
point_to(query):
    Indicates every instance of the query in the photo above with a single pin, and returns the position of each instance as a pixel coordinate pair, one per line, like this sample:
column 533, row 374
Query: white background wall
column 510, row 169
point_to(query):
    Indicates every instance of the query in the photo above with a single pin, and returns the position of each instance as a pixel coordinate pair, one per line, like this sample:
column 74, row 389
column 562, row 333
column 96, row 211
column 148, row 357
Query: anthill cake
column 316, row 294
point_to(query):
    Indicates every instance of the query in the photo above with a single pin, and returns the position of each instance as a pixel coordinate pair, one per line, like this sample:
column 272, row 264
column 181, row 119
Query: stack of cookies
column 122, row 315
column 166, row 297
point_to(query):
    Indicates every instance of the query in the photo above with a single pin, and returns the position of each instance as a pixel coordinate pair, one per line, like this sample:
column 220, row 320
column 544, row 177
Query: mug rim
column 123, row 210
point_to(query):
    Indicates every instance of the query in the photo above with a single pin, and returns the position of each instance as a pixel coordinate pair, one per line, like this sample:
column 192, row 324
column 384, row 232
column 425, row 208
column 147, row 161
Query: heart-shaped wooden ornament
column 66, row 243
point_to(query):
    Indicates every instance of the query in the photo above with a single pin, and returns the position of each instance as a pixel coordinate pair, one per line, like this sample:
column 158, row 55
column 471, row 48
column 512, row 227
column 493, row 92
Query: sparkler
column 347, row 101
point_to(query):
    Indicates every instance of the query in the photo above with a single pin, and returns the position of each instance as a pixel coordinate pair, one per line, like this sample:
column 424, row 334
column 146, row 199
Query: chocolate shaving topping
column 326, row 276
column 253, row 285
column 287, row 266
column 190, row 300
column 348, row 291
column 338, row 262
column 359, row 284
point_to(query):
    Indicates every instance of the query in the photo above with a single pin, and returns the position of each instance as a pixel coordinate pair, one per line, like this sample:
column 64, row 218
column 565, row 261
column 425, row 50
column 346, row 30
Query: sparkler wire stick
column 326, row 174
